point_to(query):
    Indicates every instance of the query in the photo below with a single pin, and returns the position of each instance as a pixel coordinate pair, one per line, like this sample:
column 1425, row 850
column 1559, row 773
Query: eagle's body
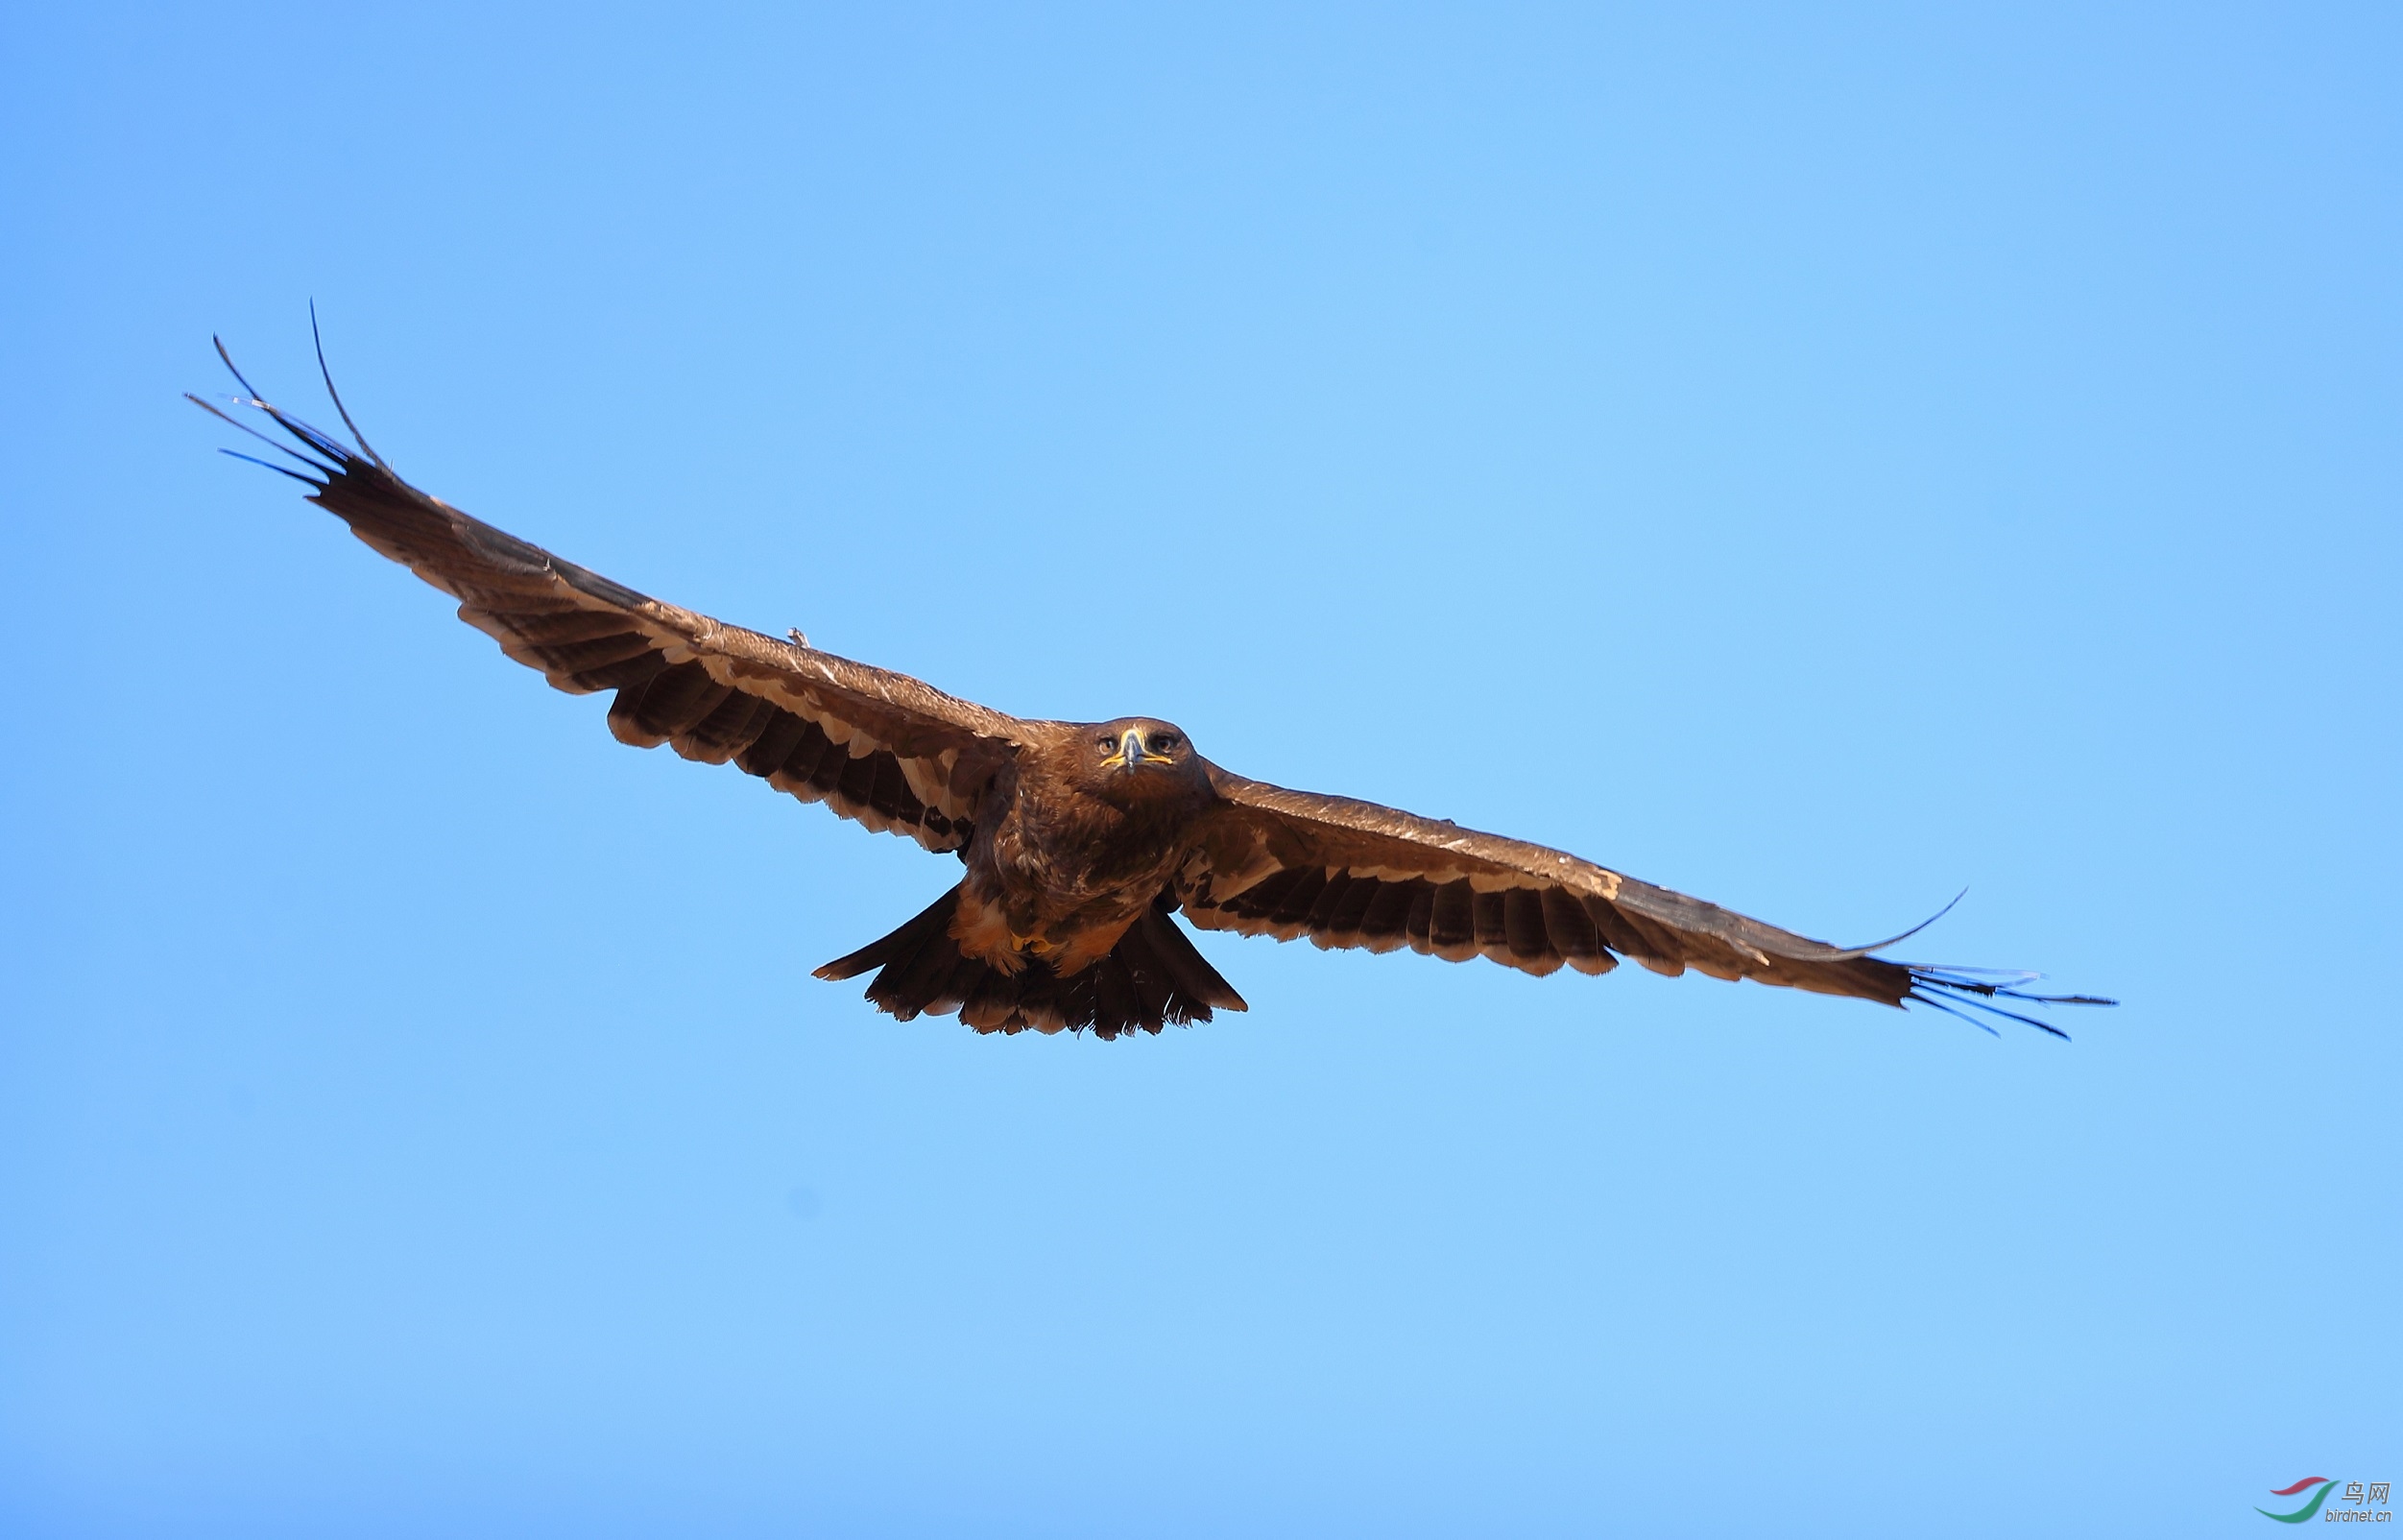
column 1076, row 854
column 1081, row 841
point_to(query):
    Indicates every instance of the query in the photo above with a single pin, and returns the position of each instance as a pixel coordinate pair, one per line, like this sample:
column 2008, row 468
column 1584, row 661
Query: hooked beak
column 1132, row 754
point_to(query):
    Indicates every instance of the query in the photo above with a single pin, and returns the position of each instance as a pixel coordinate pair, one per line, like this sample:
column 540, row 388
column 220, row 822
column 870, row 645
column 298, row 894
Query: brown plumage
column 1081, row 841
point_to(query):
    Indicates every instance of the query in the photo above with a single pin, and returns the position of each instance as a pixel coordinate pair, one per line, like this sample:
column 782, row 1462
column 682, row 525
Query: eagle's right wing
column 876, row 746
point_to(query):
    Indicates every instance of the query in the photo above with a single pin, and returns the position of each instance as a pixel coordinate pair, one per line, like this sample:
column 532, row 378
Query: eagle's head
column 1142, row 756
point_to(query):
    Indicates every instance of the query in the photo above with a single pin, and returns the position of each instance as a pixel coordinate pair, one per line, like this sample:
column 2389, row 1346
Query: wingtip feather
column 1979, row 988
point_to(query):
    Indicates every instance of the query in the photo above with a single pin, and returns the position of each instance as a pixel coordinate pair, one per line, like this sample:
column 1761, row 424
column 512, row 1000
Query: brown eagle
column 1081, row 840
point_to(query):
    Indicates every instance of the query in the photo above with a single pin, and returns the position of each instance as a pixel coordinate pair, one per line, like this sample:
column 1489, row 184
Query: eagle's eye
column 1105, row 745
column 1164, row 743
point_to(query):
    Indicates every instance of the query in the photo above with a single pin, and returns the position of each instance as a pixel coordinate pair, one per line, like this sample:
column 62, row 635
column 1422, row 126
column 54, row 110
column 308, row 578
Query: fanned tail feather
column 1153, row 977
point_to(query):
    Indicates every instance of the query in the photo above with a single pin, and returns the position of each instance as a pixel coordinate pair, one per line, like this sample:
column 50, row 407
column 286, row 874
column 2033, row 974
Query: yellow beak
column 1132, row 753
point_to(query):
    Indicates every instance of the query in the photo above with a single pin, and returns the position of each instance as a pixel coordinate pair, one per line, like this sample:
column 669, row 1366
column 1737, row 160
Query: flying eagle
column 1081, row 840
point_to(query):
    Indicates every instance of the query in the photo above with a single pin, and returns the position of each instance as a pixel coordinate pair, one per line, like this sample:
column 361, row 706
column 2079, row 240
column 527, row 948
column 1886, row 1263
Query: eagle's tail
column 1153, row 977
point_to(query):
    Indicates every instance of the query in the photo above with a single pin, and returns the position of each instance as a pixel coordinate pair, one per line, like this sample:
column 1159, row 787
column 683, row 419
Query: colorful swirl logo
column 2300, row 1515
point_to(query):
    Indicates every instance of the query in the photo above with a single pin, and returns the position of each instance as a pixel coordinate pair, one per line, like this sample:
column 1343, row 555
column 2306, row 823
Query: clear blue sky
column 1816, row 461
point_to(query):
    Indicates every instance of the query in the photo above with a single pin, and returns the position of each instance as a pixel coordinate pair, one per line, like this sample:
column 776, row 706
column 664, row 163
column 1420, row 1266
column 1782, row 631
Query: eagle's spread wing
column 1271, row 862
column 876, row 746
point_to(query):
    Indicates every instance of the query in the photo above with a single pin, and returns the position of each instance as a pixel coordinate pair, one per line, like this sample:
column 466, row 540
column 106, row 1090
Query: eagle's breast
column 1063, row 870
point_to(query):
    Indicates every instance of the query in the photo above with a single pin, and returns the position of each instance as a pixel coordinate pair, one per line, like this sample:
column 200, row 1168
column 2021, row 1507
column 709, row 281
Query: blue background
column 1813, row 460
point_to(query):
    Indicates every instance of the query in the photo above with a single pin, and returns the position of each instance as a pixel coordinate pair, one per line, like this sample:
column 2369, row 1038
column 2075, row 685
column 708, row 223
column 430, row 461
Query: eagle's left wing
column 1273, row 862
